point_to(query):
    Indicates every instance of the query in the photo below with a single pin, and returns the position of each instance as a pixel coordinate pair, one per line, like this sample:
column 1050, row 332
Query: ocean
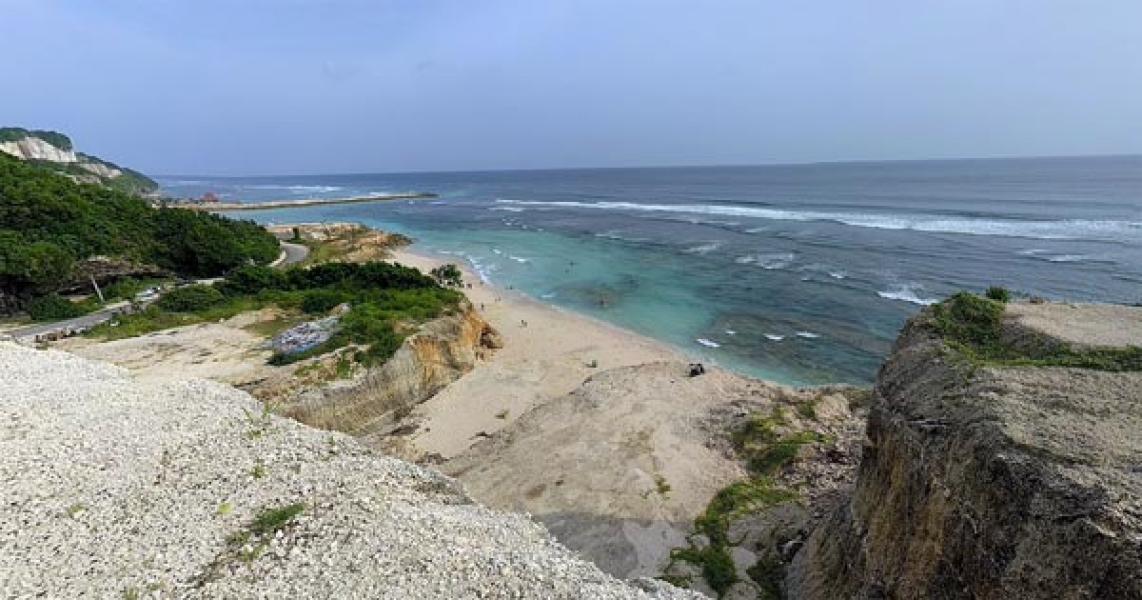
column 801, row 274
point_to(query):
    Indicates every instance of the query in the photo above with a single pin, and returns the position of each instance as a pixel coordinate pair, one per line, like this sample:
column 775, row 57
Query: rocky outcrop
column 371, row 405
column 124, row 487
column 985, row 481
column 34, row 148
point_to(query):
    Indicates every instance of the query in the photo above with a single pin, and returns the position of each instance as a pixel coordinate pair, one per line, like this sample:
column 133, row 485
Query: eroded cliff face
column 34, row 148
column 373, row 404
column 988, row 482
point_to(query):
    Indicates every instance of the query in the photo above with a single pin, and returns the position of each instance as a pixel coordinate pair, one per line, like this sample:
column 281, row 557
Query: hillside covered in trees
column 48, row 223
column 55, row 151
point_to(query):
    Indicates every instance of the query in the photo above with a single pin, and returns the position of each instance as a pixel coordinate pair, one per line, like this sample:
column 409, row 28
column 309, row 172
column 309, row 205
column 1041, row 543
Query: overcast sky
column 336, row 86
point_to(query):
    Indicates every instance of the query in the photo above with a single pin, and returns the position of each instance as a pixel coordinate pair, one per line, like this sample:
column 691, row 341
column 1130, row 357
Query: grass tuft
column 973, row 326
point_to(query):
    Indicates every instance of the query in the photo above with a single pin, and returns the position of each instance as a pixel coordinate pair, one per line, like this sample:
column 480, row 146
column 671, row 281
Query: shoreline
column 548, row 352
column 283, row 204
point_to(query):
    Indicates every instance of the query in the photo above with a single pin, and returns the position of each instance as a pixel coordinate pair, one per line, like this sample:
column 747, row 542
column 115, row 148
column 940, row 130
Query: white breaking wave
column 1041, row 254
column 299, row 189
column 906, row 293
column 774, row 337
column 767, row 261
column 614, row 235
column 1064, row 229
column 514, row 209
column 708, row 343
column 704, row 248
column 518, row 259
column 731, row 332
column 807, row 335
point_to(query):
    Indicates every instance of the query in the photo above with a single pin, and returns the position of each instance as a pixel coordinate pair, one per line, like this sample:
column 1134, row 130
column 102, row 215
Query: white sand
column 545, row 360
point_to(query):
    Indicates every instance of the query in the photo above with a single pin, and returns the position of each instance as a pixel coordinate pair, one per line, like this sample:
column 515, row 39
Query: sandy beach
column 548, row 352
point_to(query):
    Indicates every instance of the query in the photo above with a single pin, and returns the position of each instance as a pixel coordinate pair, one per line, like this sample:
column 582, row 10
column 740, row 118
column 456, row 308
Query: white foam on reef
column 906, row 293
column 703, row 249
column 807, row 335
column 1060, row 229
column 731, row 332
column 770, row 262
column 773, row 337
column 708, row 343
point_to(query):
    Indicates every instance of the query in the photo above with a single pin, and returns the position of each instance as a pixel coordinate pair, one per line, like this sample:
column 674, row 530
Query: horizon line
column 856, row 161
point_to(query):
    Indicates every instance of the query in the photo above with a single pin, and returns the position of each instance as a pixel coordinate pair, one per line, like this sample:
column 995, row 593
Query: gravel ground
column 123, row 488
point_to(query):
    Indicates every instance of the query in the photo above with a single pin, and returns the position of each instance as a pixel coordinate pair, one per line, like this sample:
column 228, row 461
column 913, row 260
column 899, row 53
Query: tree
column 448, row 274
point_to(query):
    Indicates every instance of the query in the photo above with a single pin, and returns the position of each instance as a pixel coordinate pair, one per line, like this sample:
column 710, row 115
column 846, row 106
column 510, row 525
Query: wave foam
column 708, row 343
column 773, row 337
column 906, row 293
column 703, row 249
column 1063, row 229
column 767, row 261
column 809, row 335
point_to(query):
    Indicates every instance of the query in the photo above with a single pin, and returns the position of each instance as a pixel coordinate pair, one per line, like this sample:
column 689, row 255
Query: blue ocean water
column 799, row 273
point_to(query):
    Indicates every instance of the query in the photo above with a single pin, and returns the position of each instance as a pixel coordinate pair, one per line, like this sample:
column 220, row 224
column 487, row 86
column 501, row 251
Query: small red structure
column 210, row 198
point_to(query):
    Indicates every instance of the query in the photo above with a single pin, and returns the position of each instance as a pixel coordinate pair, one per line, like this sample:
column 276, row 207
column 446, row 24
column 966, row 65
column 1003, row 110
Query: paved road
column 85, row 322
column 295, row 253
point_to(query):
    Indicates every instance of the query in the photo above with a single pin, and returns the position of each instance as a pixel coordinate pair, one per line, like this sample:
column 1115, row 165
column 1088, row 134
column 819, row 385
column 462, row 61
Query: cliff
column 373, row 404
column 55, row 150
column 1000, row 462
column 117, row 487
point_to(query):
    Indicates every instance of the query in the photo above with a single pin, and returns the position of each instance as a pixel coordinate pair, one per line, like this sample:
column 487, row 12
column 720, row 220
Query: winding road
column 293, row 254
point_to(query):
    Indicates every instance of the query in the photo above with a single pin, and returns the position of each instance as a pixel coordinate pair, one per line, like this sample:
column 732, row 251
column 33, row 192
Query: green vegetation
column 55, row 138
column 48, row 222
column 386, row 302
column 766, row 452
column 52, row 307
column 447, row 274
column 191, row 298
column 768, row 573
column 249, row 543
column 973, row 326
column 997, row 293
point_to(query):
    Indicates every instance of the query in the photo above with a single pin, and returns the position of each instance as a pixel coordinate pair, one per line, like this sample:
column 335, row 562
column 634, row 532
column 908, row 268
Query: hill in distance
column 55, row 151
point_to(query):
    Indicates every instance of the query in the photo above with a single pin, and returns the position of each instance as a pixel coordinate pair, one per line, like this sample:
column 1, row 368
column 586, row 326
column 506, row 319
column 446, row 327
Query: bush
column 191, row 298
column 447, row 275
column 321, row 301
column 999, row 294
column 53, row 307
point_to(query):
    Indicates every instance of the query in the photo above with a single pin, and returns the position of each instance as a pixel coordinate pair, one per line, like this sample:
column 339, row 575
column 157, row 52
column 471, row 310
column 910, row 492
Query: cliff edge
column 1003, row 459
column 117, row 487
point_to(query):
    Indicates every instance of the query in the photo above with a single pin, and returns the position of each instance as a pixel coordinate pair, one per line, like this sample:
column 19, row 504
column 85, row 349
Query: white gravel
column 116, row 488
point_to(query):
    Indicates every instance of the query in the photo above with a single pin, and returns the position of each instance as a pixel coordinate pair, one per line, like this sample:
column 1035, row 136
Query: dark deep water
column 801, row 273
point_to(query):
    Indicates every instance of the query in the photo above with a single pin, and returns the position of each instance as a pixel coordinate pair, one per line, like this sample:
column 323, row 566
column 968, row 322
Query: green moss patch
column 973, row 326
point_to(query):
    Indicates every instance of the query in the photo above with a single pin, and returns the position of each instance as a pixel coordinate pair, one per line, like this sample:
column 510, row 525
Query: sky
column 246, row 87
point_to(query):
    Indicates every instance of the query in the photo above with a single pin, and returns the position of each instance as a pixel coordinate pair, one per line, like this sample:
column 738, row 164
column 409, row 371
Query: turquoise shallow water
column 801, row 274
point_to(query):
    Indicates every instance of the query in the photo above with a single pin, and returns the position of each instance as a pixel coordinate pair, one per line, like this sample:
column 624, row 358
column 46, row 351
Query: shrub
column 191, row 298
column 447, row 275
column 321, row 301
column 52, row 307
column 999, row 294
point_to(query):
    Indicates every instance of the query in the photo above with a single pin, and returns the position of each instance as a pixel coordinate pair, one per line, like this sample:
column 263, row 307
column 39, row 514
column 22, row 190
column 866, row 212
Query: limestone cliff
column 995, row 480
column 443, row 350
column 55, row 150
